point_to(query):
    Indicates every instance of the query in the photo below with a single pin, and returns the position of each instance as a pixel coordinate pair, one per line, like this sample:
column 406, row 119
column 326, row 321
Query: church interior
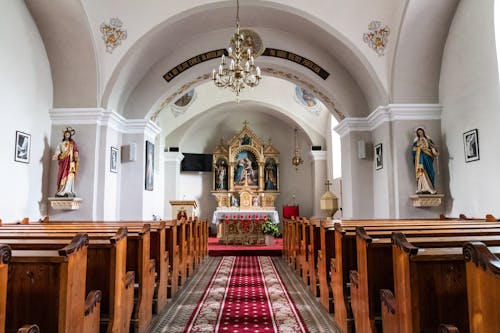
column 138, row 134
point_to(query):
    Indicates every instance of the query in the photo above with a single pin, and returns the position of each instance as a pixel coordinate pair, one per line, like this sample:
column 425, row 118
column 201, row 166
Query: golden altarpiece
column 246, row 183
column 246, row 173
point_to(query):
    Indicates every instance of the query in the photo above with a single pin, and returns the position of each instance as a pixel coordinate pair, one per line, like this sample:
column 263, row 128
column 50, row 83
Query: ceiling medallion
column 113, row 34
column 376, row 38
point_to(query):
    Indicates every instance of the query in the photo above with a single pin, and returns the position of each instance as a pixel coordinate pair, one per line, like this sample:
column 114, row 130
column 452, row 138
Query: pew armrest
column 93, row 298
column 354, row 277
column 443, row 328
column 388, row 300
column 29, row 329
column 129, row 279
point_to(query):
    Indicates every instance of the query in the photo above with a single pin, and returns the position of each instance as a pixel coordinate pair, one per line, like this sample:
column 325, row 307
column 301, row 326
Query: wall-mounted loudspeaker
column 361, row 149
column 129, row 152
column 315, row 147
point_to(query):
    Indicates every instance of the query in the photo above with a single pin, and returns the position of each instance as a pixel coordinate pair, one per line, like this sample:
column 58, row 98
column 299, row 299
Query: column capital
column 389, row 113
column 318, row 155
column 173, row 156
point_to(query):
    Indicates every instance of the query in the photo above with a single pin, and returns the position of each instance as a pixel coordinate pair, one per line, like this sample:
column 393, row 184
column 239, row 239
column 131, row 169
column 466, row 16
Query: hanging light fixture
column 237, row 70
column 296, row 159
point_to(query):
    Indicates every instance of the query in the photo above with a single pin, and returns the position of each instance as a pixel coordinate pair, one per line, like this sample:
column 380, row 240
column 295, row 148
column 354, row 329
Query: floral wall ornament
column 113, row 34
column 376, row 38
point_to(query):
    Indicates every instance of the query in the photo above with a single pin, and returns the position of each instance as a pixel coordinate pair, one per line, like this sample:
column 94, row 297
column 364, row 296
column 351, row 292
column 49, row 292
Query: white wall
column 469, row 93
column 25, row 98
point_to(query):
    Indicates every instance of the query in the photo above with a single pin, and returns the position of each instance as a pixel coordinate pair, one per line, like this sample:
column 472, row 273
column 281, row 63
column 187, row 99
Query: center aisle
column 243, row 294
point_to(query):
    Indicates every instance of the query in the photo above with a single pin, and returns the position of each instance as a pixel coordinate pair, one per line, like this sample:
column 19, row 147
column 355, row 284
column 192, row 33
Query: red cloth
column 289, row 211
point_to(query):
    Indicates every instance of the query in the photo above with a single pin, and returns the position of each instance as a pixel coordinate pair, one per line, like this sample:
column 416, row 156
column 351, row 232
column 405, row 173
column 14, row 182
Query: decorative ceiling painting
column 113, row 34
column 181, row 105
column 307, row 100
column 376, row 38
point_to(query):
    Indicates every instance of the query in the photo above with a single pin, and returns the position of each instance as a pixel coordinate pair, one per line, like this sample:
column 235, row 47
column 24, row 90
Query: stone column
column 319, row 174
column 172, row 163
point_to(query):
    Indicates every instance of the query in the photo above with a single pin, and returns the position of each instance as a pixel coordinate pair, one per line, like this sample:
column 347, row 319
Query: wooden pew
column 158, row 248
column 138, row 260
column 106, row 262
column 56, row 279
column 5, row 256
column 430, row 288
column 483, row 287
column 312, row 250
column 374, row 271
column 325, row 254
column 344, row 259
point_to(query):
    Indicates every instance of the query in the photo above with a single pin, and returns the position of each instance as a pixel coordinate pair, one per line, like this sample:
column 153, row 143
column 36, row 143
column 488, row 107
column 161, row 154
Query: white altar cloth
column 220, row 215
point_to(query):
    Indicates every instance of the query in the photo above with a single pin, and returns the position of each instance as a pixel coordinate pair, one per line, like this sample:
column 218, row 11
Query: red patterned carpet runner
column 246, row 294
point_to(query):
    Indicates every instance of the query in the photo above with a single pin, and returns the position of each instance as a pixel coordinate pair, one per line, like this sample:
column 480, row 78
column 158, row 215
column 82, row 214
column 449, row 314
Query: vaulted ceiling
column 163, row 34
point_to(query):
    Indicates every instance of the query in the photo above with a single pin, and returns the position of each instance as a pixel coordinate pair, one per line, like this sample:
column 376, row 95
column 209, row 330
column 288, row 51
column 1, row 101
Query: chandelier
column 237, row 70
column 296, row 159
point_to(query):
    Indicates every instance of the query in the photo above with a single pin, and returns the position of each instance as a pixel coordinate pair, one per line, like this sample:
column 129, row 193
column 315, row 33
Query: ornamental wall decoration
column 113, row 34
column 376, row 38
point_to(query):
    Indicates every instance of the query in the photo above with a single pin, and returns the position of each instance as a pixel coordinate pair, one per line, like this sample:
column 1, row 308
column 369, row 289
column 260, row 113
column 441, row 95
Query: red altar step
column 219, row 250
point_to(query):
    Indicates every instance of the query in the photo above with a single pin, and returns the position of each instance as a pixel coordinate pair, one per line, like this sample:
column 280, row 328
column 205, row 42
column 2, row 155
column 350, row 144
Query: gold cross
column 245, row 123
column 328, row 184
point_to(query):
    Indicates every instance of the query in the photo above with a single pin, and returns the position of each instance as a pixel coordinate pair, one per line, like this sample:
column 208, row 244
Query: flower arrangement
column 269, row 228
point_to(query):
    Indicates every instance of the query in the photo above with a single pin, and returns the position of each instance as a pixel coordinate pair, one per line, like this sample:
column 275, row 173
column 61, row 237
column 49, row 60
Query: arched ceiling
column 164, row 34
column 313, row 122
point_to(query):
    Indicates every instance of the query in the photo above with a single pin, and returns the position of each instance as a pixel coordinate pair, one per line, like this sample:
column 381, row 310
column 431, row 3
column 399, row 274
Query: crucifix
column 328, row 184
column 245, row 123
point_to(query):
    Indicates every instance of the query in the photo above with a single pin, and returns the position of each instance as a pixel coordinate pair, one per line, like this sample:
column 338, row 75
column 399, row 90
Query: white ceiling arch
column 221, row 120
column 285, row 26
column 261, row 99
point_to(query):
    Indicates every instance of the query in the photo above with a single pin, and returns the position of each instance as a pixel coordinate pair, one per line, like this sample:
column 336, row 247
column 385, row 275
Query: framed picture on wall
column 23, row 146
column 471, row 145
column 113, row 160
column 150, row 150
column 378, row 157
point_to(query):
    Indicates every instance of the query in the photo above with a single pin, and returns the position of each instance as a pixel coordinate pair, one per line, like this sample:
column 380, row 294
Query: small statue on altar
column 255, row 202
column 234, row 201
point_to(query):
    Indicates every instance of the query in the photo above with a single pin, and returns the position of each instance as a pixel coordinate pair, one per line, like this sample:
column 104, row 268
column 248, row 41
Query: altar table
column 220, row 215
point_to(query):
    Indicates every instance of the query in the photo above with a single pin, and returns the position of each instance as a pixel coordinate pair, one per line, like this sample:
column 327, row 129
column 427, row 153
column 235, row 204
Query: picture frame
column 22, row 147
column 149, row 170
column 471, row 145
column 113, row 160
column 379, row 157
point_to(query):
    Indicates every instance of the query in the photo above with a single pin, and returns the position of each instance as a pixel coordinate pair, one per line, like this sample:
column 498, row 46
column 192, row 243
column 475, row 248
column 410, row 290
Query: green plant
column 270, row 228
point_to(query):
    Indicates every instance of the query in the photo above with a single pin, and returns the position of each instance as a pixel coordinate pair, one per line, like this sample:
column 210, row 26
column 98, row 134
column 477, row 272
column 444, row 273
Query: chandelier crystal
column 238, row 69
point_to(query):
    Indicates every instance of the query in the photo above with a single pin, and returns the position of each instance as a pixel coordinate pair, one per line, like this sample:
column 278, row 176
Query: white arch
column 134, row 68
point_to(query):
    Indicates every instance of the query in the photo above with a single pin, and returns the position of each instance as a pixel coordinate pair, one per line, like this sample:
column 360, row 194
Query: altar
column 222, row 215
column 245, row 184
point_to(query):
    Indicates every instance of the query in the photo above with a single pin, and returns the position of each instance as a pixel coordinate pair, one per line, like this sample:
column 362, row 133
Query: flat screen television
column 196, row 162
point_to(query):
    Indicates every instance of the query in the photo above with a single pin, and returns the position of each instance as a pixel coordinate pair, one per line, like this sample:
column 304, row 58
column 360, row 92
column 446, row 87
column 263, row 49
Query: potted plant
column 270, row 229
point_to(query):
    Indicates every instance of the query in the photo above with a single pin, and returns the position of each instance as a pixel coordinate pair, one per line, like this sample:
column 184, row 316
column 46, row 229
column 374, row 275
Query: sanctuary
column 245, row 184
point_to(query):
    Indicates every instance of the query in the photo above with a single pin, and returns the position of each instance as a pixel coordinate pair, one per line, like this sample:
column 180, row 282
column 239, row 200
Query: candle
column 223, row 60
column 258, row 72
column 220, row 69
column 247, row 66
column 229, row 51
column 213, row 74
